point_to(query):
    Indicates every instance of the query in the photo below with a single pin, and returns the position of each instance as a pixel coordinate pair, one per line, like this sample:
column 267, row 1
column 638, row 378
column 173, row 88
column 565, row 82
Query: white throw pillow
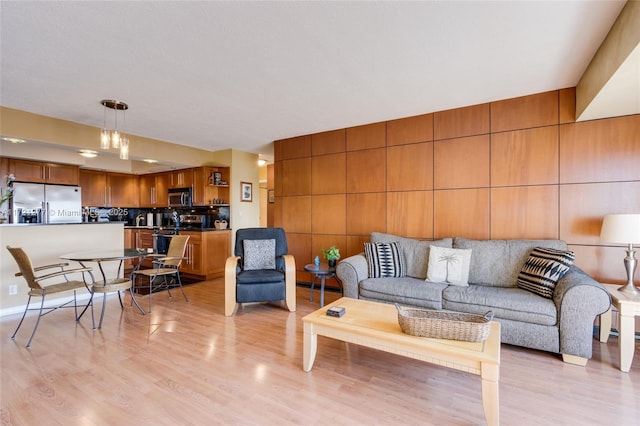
column 259, row 254
column 450, row 266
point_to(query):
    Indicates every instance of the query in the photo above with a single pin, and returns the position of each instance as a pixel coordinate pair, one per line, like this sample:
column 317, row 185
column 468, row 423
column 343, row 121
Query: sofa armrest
column 579, row 299
column 350, row 272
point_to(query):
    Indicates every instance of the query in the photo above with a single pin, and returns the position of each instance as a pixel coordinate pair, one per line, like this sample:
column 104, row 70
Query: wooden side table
column 323, row 271
column 628, row 307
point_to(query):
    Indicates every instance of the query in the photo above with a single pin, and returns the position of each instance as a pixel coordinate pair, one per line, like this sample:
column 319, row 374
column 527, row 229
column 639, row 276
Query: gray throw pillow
column 259, row 254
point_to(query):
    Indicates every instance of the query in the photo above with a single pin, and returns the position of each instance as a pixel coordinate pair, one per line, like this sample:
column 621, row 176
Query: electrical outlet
column 13, row 289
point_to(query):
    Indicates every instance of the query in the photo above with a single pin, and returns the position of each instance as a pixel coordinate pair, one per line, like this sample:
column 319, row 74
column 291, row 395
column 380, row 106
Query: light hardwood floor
column 186, row 363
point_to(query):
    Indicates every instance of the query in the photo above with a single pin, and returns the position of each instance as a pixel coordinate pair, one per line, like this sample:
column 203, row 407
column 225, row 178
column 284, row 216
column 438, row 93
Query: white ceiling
column 218, row 75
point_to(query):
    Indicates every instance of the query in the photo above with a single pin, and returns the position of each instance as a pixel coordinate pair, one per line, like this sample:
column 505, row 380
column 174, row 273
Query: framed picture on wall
column 246, row 191
column 271, row 196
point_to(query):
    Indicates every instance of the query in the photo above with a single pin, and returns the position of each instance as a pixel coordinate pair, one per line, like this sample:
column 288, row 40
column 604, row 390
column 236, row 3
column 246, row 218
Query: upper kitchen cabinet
column 181, row 178
column 102, row 189
column 39, row 172
column 122, row 190
column 153, row 190
column 94, row 188
column 210, row 185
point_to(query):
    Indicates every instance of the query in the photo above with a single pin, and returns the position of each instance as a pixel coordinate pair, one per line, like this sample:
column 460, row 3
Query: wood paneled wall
column 516, row 168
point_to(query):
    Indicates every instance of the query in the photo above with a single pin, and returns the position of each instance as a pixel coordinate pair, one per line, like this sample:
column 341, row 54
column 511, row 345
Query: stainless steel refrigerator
column 42, row 203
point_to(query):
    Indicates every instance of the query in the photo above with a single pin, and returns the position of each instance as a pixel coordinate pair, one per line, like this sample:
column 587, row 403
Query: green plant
column 332, row 253
column 7, row 191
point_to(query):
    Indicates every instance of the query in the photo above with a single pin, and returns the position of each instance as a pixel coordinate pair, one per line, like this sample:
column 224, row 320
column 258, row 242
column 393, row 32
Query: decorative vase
column 332, row 263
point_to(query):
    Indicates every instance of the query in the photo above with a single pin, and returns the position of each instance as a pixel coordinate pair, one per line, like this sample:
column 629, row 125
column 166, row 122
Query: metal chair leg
column 104, row 304
column 166, row 284
column 181, row 288
column 13, row 337
column 37, row 323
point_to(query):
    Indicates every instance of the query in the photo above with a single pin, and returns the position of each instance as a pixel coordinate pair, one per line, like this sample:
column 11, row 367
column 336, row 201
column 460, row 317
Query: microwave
column 180, row 197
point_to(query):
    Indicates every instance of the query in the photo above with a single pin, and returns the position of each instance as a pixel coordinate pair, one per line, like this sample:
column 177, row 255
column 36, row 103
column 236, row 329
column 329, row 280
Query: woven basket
column 444, row 325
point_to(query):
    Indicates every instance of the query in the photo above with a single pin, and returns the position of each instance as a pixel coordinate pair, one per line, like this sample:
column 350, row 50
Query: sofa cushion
column 259, row 254
column 506, row 303
column 406, row 291
column 543, row 269
column 498, row 262
column 384, row 260
column 448, row 265
column 416, row 252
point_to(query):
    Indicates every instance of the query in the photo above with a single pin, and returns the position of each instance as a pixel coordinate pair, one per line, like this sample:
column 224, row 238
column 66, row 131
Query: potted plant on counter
column 332, row 254
column 6, row 193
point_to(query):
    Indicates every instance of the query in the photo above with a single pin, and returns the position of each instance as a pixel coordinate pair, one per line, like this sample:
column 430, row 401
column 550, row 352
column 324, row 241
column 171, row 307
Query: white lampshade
column 621, row 229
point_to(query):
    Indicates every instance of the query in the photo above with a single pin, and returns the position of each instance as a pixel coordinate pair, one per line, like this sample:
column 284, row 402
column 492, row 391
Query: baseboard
column 614, row 332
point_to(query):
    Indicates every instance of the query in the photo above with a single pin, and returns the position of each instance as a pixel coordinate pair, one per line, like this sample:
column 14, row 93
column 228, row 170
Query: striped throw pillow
column 543, row 269
column 385, row 260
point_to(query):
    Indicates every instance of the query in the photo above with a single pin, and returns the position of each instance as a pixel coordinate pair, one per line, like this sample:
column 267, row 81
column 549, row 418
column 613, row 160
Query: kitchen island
column 44, row 244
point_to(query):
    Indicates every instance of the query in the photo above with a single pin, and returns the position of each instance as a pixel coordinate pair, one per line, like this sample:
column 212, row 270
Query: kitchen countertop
column 52, row 224
column 180, row 228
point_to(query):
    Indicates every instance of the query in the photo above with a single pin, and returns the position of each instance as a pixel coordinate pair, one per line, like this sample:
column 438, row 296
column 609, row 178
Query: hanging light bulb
column 115, row 139
column 105, row 138
column 124, row 148
column 115, row 135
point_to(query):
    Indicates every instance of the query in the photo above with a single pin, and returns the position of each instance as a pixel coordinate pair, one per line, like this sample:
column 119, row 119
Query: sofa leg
column 576, row 360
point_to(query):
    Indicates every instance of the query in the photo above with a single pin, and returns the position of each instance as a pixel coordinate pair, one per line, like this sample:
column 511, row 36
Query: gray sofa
column 563, row 324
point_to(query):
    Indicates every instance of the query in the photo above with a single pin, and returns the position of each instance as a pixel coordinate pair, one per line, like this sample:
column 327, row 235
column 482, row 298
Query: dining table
column 108, row 285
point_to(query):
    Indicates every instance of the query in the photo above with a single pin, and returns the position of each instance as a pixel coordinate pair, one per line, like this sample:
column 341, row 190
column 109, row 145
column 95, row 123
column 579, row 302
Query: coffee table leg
column 490, row 400
column 310, row 346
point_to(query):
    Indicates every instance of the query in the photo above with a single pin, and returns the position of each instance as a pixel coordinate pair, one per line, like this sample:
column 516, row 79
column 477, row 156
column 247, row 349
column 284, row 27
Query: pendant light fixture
column 113, row 138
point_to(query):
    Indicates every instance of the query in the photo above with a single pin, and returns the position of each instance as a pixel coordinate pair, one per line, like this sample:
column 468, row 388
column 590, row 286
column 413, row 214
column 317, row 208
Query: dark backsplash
column 128, row 215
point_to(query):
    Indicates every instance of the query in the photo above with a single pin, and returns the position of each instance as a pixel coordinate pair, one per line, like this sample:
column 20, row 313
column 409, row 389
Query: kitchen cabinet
column 206, row 254
column 218, row 248
column 153, row 190
column 122, row 190
column 39, row 172
column 102, row 189
column 194, row 254
column 205, row 191
column 94, row 187
column 181, row 178
column 142, row 239
column 128, row 243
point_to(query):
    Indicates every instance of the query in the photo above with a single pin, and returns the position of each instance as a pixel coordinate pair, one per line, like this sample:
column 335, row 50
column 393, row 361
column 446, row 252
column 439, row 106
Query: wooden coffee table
column 375, row 325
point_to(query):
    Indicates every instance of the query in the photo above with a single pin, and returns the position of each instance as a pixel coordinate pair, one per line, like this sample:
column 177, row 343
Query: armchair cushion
column 259, row 254
column 260, row 276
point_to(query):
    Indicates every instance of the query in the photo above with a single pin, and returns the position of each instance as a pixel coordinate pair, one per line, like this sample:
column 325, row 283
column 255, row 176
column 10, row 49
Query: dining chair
column 166, row 266
column 38, row 287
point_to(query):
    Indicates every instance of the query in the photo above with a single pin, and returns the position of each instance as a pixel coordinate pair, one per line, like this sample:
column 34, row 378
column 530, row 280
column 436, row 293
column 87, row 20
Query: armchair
column 260, row 270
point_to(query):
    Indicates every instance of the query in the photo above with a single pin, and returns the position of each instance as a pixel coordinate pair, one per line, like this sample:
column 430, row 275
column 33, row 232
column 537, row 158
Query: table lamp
column 624, row 229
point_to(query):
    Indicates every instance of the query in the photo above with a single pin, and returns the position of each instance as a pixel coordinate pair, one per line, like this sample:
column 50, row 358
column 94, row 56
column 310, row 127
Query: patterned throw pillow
column 259, row 254
column 384, row 260
column 543, row 269
column 449, row 265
